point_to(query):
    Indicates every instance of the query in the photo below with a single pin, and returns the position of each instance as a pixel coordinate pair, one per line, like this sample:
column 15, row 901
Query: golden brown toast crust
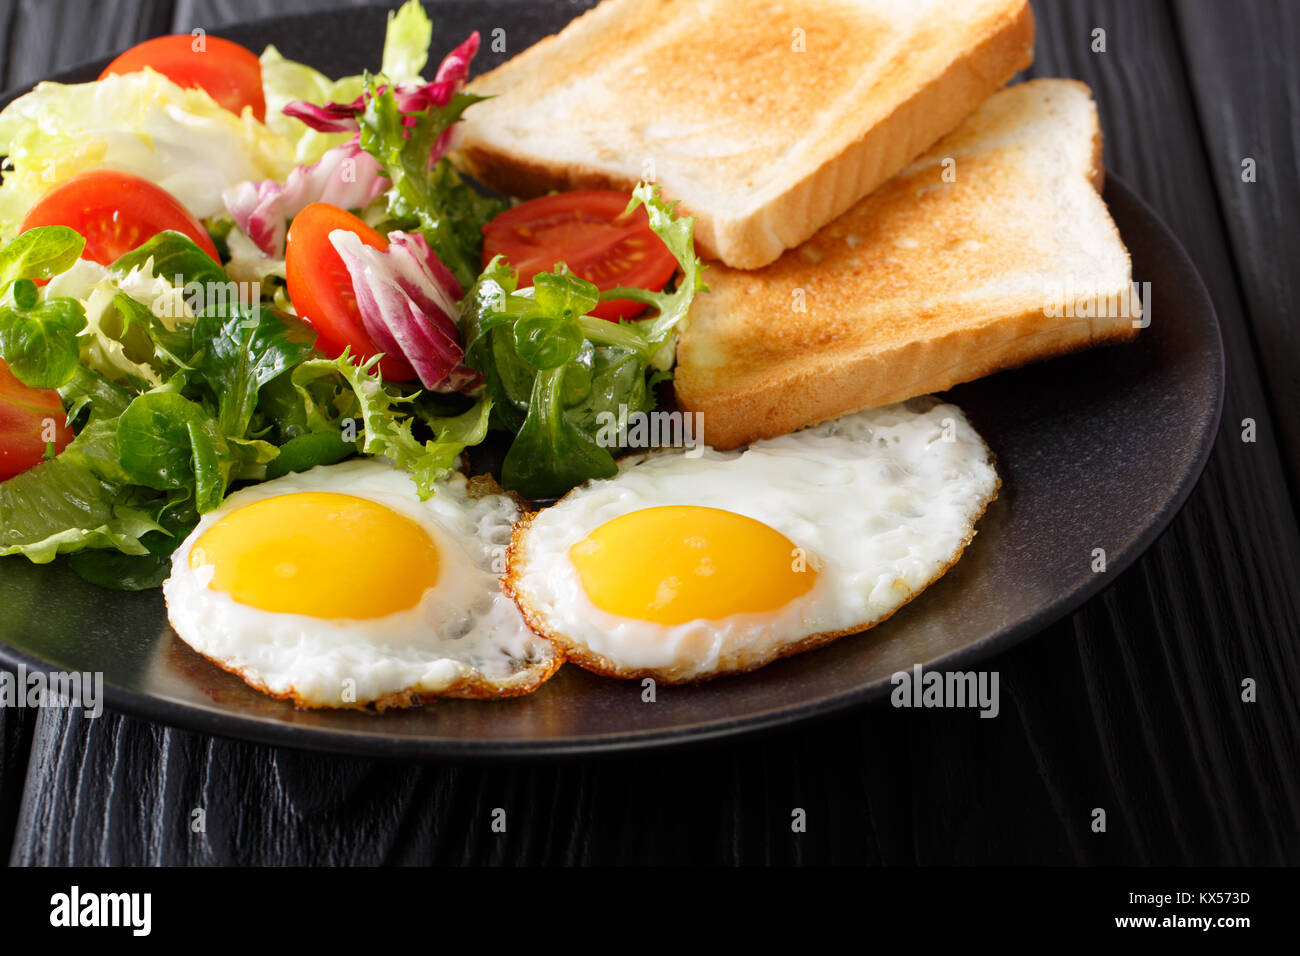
column 832, row 172
column 901, row 295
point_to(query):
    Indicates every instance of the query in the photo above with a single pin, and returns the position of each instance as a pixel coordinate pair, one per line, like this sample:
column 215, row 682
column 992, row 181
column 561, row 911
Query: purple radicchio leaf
column 411, row 97
column 346, row 176
column 407, row 300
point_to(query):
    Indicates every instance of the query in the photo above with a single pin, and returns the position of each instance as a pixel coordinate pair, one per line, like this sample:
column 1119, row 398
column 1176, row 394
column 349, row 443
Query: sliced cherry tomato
column 321, row 288
column 27, row 417
column 231, row 74
column 115, row 212
column 588, row 231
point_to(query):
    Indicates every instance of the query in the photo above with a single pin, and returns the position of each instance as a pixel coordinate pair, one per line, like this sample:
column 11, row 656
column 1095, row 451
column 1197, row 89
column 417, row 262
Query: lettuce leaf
column 140, row 123
column 40, row 344
column 337, row 392
column 287, row 81
column 61, row 506
column 237, row 354
column 427, row 194
column 172, row 256
column 406, row 43
column 137, row 318
column 40, row 253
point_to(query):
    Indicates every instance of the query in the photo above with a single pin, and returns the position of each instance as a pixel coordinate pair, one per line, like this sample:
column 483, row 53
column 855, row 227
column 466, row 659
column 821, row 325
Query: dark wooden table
column 1132, row 704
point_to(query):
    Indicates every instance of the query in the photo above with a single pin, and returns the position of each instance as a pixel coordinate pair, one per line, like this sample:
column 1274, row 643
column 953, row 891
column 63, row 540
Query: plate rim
column 237, row 726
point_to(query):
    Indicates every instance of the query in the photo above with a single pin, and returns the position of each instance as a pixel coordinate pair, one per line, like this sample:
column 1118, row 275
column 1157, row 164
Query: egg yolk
column 321, row 554
column 680, row 563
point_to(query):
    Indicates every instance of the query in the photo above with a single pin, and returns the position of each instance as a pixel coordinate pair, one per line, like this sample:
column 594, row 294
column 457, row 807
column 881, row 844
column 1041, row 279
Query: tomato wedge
column 230, row 73
column 116, row 212
column 588, row 231
column 28, row 416
column 320, row 286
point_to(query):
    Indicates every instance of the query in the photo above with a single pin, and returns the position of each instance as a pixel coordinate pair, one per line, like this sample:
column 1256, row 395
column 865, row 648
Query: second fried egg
column 685, row 568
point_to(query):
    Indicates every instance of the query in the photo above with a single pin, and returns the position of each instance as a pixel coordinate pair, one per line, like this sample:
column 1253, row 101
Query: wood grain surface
column 1132, row 704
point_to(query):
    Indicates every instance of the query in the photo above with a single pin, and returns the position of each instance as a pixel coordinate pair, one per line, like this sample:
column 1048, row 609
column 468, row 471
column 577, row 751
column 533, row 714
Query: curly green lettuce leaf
column 677, row 234
column 116, row 342
column 166, row 306
column 433, row 200
column 352, row 399
column 142, row 328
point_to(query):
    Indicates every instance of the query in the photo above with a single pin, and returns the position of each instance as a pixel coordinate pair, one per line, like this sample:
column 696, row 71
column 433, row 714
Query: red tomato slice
column 586, row 230
column 321, row 288
column 231, row 74
column 27, row 417
column 116, row 212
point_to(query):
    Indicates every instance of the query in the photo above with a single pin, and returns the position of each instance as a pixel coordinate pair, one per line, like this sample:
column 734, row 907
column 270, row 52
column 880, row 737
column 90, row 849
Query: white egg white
column 464, row 638
column 882, row 502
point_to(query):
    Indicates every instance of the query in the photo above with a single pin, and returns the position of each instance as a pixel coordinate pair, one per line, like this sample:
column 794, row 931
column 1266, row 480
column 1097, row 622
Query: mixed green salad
column 334, row 299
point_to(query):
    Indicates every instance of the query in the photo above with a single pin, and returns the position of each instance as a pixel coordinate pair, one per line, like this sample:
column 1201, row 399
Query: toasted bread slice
column 767, row 118
column 925, row 283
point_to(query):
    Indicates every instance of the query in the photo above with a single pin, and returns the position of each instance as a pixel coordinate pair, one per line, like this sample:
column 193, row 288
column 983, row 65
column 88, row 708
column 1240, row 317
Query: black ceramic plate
column 1096, row 450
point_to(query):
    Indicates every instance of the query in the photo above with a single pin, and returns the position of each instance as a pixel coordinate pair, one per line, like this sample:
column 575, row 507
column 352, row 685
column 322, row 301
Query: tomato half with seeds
column 320, row 286
column 116, row 212
column 28, row 416
column 231, row 74
column 588, row 231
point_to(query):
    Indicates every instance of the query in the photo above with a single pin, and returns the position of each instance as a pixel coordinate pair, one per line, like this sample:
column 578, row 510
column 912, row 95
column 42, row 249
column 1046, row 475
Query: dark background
column 1132, row 704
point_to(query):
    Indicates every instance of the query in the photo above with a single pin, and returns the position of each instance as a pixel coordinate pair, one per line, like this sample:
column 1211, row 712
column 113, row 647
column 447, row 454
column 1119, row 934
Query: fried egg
column 338, row 587
column 683, row 568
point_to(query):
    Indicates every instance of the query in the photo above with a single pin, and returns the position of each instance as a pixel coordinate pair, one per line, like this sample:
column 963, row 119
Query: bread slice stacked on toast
column 992, row 250
column 767, row 118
